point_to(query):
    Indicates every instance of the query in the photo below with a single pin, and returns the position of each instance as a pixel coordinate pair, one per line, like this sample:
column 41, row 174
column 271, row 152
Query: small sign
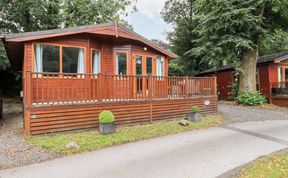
column 206, row 102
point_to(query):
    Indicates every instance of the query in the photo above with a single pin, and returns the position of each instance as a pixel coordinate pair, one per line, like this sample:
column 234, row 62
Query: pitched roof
column 277, row 57
column 28, row 36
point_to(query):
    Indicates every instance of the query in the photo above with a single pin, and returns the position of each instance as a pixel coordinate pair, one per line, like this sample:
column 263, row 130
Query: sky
column 147, row 21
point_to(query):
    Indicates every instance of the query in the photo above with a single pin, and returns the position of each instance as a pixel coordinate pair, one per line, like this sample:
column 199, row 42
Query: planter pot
column 194, row 117
column 107, row 128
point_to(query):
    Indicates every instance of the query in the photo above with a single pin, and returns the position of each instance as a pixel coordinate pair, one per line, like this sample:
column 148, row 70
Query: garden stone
column 184, row 122
column 72, row 145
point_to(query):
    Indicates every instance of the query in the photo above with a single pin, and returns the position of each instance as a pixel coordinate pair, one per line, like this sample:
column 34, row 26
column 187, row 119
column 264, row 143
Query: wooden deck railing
column 279, row 88
column 55, row 88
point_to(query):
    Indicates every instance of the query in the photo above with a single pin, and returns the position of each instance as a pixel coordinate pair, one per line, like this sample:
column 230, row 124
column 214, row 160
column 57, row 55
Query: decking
column 73, row 101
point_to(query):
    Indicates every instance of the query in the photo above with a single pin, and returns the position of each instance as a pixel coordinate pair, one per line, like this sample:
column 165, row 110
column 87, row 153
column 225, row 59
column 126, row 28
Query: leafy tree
column 180, row 13
column 232, row 29
column 274, row 43
column 84, row 12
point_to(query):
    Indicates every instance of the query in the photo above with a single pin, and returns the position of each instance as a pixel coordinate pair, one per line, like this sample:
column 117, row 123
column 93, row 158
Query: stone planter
column 194, row 117
column 107, row 128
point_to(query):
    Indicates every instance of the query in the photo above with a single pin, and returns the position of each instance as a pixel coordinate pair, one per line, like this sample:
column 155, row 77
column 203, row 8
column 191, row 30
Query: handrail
column 67, row 88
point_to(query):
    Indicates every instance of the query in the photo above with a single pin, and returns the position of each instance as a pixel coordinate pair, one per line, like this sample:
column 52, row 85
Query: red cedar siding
column 264, row 79
column 224, row 81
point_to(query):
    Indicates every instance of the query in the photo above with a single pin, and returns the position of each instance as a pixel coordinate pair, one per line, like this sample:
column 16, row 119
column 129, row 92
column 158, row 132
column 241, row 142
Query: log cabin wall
column 107, row 49
column 64, row 118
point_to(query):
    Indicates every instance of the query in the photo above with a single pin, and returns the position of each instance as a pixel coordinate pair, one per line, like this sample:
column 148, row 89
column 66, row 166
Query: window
column 46, row 58
column 139, row 65
column 96, row 65
column 73, row 60
column 121, row 64
column 160, row 66
column 148, row 66
column 280, row 79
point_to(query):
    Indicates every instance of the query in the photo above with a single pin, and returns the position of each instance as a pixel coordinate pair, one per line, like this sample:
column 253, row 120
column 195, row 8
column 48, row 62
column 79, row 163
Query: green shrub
column 195, row 109
column 106, row 117
column 251, row 99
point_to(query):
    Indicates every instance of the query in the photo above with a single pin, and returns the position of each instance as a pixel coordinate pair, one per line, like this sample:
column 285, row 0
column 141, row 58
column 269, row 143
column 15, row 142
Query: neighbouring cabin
column 271, row 78
column 70, row 75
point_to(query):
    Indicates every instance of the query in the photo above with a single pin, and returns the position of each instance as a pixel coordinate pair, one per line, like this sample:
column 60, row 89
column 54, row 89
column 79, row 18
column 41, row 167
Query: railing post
column 99, row 88
column 215, row 85
column 28, row 101
column 186, row 86
column 144, row 86
column 150, row 87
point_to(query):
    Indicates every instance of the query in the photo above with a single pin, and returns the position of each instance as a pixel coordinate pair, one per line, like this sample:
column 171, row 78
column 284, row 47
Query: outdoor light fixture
column 145, row 48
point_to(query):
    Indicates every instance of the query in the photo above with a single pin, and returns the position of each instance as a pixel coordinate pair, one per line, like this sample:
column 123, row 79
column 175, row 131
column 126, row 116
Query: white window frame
column 117, row 67
column 98, row 62
column 160, row 67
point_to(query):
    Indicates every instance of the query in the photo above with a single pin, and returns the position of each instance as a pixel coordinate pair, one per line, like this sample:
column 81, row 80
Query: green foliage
column 274, row 43
column 180, row 13
column 85, row 12
column 106, row 117
column 272, row 166
column 33, row 15
column 251, row 99
column 195, row 109
column 93, row 140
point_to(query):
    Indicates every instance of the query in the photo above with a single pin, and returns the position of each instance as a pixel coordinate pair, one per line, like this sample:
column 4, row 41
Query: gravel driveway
column 14, row 151
column 233, row 113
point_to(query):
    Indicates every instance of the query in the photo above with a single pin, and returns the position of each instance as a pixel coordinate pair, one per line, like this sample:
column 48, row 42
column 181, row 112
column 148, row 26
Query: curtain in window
column 38, row 58
column 80, row 66
column 160, row 67
column 96, row 63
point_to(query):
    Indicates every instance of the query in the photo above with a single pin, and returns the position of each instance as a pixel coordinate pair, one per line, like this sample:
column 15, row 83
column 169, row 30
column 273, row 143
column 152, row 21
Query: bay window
column 47, row 58
column 121, row 64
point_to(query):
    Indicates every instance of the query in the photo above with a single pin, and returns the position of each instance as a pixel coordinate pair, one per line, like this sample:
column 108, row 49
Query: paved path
column 234, row 114
column 203, row 153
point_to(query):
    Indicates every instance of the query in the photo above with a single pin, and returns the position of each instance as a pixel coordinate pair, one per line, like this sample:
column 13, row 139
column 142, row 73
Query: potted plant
column 195, row 114
column 107, row 122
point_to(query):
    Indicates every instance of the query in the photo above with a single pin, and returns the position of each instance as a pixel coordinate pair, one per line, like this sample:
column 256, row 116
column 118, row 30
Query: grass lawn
column 91, row 140
column 272, row 166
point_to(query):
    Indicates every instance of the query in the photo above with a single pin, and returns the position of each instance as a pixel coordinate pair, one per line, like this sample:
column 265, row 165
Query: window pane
column 71, row 59
column 121, row 64
column 139, row 65
column 160, row 66
column 148, row 66
column 51, row 61
column 96, row 65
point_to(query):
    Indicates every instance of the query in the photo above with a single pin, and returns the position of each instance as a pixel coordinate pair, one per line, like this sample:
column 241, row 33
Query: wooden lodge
column 70, row 75
column 271, row 78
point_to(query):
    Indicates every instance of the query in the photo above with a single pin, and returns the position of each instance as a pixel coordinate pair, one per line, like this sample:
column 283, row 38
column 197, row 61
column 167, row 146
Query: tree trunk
column 247, row 82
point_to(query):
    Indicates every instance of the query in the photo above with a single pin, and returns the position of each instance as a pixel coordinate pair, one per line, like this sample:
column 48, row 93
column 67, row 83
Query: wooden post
column 150, row 87
column 186, row 87
column 28, row 103
column 144, row 87
column 215, row 86
column 151, row 112
column 99, row 89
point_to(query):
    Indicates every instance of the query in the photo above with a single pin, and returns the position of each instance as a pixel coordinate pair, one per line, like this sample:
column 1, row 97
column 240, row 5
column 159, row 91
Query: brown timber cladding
column 51, row 119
